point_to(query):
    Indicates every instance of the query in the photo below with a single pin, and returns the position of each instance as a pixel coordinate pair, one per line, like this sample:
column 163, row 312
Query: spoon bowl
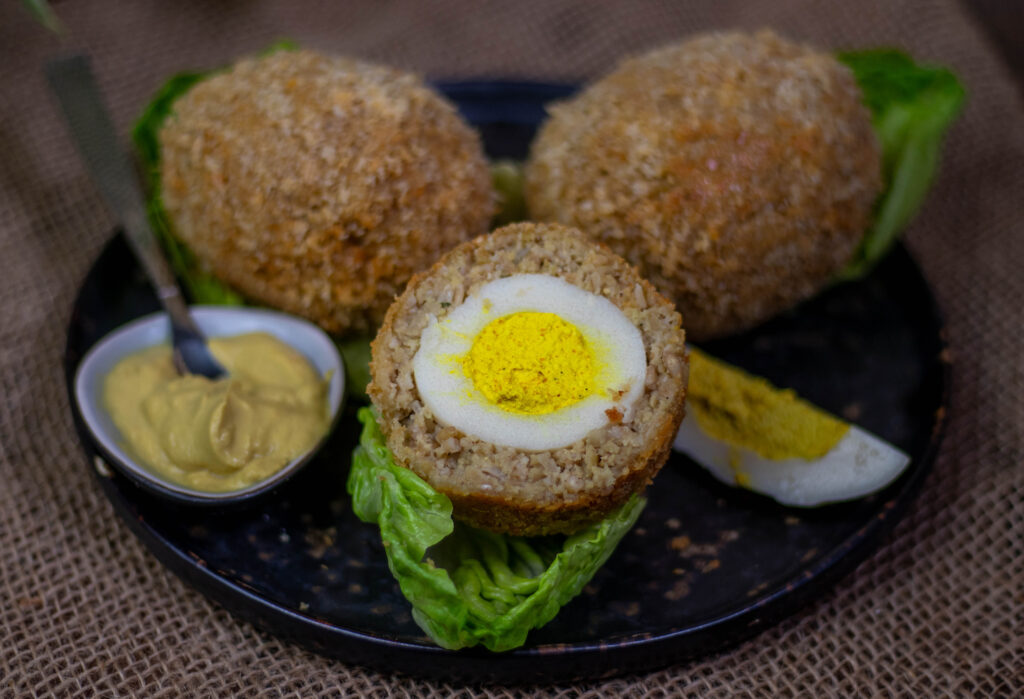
column 214, row 321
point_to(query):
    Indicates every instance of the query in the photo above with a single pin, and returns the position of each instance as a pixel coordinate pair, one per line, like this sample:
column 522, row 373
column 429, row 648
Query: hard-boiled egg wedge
column 531, row 362
column 748, row 433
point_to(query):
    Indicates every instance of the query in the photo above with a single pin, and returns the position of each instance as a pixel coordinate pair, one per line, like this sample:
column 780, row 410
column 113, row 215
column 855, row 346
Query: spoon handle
column 71, row 80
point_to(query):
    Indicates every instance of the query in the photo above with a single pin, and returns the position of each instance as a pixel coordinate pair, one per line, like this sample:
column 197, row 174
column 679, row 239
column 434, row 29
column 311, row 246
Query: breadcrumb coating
column 319, row 185
column 737, row 171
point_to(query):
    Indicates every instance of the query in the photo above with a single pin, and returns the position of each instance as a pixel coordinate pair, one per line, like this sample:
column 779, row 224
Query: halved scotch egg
column 531, row 376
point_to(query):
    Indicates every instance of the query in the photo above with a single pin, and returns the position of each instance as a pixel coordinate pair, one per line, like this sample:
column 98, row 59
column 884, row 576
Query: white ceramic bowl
column 214, row 321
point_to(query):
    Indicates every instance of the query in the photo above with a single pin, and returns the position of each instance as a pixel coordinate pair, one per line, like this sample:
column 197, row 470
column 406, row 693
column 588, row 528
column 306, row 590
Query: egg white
column 857, row 465
column 453, row 399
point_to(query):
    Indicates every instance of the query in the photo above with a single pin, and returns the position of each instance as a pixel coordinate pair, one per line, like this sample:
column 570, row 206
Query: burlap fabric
column 86, row 610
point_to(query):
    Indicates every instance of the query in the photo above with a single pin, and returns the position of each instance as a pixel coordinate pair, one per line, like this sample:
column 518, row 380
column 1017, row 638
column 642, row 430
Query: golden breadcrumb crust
column 319, row 185
column 737, row 171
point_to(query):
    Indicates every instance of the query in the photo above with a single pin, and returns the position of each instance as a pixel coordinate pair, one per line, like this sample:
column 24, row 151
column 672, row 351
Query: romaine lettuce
column 912, row 106
column 507, row 178
column 468, row 586
column 201, row 285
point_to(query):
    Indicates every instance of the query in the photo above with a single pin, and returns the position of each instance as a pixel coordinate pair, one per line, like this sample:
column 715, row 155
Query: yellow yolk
column 531, row 363
column 749, row 433
column 747, row 411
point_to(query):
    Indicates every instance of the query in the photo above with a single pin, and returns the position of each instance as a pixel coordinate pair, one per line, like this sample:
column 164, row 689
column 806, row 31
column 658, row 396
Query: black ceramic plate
column 705, row 567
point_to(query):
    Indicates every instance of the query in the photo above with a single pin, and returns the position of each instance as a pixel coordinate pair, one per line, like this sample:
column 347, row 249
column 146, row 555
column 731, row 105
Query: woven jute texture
column 86, row 610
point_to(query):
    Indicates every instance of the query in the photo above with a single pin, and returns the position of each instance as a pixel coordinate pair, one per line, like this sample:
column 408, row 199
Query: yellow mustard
column 747, row 411
column 219, row 435
column 531, row 362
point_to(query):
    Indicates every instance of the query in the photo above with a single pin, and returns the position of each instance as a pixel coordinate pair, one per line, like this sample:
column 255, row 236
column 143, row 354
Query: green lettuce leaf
column 356, row 353
column 468, row 586
column 507, row 178
column 201, row 285
column 912, row 106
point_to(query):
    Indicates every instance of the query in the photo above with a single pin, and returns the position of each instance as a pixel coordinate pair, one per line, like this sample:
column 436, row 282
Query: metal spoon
column 72, row 81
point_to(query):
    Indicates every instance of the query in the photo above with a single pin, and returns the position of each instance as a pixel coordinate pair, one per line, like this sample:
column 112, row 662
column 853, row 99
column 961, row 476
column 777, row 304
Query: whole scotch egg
column 737, row 171
column 532, row 377
column 319, row 184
